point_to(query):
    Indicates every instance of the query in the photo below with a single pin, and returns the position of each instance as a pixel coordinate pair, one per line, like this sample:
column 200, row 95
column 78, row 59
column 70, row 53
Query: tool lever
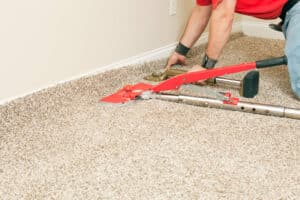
column 272, row 62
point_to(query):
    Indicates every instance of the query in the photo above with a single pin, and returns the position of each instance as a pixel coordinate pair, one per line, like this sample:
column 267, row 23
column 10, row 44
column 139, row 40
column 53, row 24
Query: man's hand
column 194, row 28
column 176, row 58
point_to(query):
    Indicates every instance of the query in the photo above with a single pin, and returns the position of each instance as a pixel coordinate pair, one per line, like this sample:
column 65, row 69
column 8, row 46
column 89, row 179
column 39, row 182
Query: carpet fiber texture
column 61, row 143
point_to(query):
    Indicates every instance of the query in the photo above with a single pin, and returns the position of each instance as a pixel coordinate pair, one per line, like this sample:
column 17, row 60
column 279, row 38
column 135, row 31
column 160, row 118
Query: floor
column 61, row 143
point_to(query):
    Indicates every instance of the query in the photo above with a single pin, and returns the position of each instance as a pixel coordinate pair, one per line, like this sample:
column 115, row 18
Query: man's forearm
column 220, row 28
column 196, row 25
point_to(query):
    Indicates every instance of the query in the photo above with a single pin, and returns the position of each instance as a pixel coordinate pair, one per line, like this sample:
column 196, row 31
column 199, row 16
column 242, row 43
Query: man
column 221, row 14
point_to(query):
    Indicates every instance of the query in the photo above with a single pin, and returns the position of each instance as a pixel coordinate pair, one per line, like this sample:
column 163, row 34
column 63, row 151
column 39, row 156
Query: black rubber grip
column 271, row 62
column 250, row 85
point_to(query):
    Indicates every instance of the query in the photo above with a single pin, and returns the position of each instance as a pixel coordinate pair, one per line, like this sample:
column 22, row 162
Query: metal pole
column 225, row 81
column 263, row 109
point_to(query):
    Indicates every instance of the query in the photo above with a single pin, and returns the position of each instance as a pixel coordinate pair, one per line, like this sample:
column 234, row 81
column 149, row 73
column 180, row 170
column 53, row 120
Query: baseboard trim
column 148, row 56
column 141, row 58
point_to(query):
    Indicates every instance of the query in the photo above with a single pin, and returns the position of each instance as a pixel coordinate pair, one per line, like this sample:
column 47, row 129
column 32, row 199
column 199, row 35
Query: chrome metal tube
column 226, row 81
column 262, row 109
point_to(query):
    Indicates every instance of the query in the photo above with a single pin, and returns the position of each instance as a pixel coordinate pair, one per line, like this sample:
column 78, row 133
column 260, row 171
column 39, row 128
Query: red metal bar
column 130, row 92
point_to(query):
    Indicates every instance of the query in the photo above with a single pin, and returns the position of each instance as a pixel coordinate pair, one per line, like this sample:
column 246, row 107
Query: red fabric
column 264, row 9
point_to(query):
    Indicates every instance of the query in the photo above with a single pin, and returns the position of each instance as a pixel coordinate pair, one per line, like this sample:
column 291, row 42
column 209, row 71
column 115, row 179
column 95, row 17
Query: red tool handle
column 177, row 81
column 132, row 91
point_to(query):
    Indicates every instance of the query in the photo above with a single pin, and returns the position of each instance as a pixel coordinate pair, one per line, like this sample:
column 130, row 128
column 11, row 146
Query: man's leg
column 292, row 49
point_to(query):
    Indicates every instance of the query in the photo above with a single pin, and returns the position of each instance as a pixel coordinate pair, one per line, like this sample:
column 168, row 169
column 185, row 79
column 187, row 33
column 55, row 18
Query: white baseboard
column 140, row 58
column 260, row 29
column 155, row 54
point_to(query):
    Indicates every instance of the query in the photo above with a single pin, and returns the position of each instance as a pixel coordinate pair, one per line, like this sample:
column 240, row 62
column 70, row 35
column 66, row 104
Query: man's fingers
column 170, row 64
column 201, row 83
column 175, row 59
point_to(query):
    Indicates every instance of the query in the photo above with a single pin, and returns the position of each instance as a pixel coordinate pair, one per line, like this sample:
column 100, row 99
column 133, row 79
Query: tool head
column 250, row 85
column 127, row 93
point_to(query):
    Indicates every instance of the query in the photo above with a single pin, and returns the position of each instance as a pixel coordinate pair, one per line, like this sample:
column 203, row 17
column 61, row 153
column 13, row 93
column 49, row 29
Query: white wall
column 43, row 42
column 46, row 41
column 260, row 28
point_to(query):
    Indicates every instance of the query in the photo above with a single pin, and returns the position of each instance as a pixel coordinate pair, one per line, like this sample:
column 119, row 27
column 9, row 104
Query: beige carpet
column 62, row 144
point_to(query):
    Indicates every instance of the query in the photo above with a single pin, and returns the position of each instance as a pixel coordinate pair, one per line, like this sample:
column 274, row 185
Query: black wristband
column 182, row 49
column 208, row 63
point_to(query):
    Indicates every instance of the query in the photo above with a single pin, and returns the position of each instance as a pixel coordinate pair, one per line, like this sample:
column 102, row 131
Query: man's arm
column 196, row 25
column 194, row 28
column 220, row 27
